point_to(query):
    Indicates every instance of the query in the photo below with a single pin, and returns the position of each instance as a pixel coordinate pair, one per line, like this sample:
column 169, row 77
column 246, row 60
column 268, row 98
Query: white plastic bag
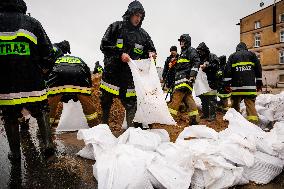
column 201, row 85
column 151, row 105
column 198, row 131
column 72, row 118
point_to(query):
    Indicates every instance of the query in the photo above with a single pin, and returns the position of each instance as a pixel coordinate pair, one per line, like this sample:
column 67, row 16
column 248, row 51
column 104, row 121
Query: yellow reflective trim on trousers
column 4, row 102
column 211, row 93
column 19, row 34
column 92, row 116
column 224, row 95
column 244, row 93
column 130, row 94
column 172, row 111
column 100, row 70
column 183, row 85
column 119, row 45
column 252, row 118
column 110, row 90
column 193, row 113
column 183, row 60
column 242, row 64
column 69, row 90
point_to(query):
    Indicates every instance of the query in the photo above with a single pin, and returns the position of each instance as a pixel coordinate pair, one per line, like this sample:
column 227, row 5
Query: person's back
column 25, row 55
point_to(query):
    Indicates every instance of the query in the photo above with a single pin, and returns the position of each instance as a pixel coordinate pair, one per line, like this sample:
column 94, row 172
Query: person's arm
column 258, row 73
column 150, row 48
column 110, row 45
column 213, row 66
column 228, row 74
column 45, row 50
column 195, row 60
column 166, row 69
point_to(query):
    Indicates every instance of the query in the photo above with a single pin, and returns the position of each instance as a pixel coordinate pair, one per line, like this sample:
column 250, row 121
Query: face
column 136, row 18
column 173, row 53
column 181, row 43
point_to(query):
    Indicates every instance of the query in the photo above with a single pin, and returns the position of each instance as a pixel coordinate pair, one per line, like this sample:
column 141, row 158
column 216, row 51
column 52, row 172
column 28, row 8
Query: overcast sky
column 83, row 23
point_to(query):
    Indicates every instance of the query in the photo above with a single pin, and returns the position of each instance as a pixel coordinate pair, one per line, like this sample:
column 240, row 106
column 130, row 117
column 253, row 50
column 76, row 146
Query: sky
column 84, row 22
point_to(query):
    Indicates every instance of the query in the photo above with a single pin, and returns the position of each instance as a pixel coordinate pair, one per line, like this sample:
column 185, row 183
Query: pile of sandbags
column 147, row 159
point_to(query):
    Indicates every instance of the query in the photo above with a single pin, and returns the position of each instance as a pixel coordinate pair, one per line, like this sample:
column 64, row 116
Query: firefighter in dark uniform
column 123, row 40
column 210, row 65
column 243, row 76
column 26, row 54
column 169, row 70
column 71, row 79
column 223, row 104
column 186, row 70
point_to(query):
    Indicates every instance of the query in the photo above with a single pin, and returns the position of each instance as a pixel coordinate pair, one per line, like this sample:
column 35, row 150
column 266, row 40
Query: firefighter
column 210, row 65
column 98, row 68
column 122, row 41
column 71, row 79
column 169, row 71
column 223, row 104
column 186, row 71
column 26, row 54
column 243, row 76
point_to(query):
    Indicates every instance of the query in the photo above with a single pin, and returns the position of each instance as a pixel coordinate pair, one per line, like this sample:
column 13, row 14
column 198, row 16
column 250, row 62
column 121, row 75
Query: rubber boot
column 44, row 128
column 212, row 108
column 24, row 124
column 11, row 126
column 204, row 107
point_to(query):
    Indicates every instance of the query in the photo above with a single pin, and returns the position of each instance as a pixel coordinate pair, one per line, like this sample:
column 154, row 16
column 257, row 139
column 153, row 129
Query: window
column 281, row 17
column 281, row 35
column 257, row 25
column 257, row 40
column 281, row 57
column 281, row 78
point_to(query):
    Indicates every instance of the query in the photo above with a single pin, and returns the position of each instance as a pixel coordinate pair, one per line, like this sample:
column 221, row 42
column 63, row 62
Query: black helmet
column 186, row 38
column 64, row 46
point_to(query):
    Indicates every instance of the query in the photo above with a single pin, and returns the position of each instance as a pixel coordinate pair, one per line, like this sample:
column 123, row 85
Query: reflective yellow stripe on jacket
column 183, row 60
column 242, row 64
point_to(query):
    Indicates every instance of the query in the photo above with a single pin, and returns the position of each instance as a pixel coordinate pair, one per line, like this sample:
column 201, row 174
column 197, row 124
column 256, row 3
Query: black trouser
column 208, row 103
column 11, row 115
column 129, row 103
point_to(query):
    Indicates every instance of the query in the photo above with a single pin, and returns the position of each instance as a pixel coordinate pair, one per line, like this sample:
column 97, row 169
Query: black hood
column 241, row 47
column 13, row 6
column 223, row 60
column 133, row 7
column 186, row 38
column 64, row 46
column 202, row 47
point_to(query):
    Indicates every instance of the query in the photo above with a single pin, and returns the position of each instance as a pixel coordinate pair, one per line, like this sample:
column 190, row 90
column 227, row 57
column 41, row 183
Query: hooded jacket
column 168, row 74
column 243, row 71
column 212, row 65
column 25, row 51
column 187, row 65
column 123, row 37
column 98, row 68
column 69, row 75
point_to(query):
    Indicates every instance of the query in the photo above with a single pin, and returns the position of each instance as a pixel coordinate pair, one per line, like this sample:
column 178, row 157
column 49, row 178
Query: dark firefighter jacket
column 25, row 50
column 212, row 65
column 243, row 71
column 123, row 37
column 187, row 65
column 169, row 73
column 69, row 75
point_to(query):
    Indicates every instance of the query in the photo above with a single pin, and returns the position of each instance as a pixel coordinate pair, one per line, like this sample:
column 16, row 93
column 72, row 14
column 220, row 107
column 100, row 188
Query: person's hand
column 170, row 65
column 228, row 89
column 153, row 55
column 125, row 57
column 202, row 66
column 259, row 88
column 191, row 79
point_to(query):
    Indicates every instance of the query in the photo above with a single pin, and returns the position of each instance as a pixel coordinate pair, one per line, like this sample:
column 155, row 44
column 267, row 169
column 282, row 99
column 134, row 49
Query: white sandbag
column 164, row 135
column 201, row 85
column 265, row 168
column 124, row 124
column 123, row 167
column 197, row 181
column 72, row 117
column 87, row 152
column 198, row 131
column 151, row 105
column 170, row 175
column 141, row 139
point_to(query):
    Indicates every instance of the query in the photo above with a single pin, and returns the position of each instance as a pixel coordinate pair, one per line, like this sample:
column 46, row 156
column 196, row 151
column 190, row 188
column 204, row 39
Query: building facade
column 263, row 32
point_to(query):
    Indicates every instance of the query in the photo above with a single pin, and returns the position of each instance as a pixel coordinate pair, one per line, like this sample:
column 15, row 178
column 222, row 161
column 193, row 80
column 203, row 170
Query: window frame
column 255, row 40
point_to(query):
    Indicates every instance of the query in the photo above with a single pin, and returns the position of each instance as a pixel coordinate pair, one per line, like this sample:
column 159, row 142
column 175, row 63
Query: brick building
column 263, row 32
